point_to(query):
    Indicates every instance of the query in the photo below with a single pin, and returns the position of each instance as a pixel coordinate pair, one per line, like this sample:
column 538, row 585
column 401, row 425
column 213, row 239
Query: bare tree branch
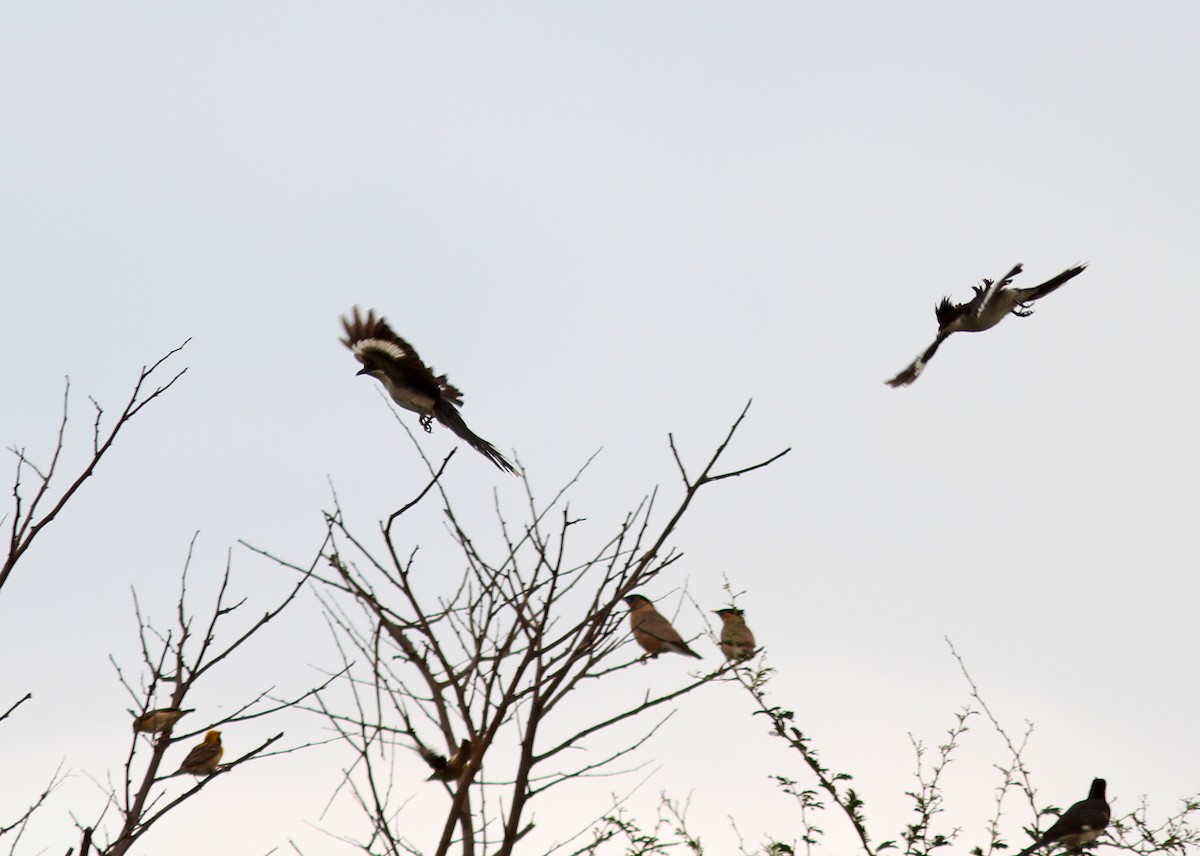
column 26, row 524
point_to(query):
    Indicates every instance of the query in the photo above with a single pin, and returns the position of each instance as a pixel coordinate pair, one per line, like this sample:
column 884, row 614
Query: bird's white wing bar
column 390, row 348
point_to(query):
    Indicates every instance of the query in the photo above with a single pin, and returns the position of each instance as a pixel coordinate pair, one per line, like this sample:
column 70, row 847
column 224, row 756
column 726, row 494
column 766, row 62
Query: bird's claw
column 427, row 424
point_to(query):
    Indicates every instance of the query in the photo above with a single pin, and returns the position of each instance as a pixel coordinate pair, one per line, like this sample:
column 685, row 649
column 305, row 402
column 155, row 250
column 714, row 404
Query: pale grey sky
column 608, row 222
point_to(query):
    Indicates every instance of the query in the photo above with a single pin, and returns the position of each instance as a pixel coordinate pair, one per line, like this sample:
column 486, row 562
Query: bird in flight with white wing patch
column 991, row 303
column 411, row 384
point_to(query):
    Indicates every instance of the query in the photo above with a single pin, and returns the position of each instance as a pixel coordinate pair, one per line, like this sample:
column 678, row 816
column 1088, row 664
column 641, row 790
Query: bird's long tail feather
column 449, row 416
column 1039, row 291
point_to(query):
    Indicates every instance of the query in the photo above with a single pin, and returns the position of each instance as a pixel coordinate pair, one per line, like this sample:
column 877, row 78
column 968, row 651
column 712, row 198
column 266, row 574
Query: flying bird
column 411, row 384
column 737, row 642
column 446, row 770
column 1081, row 824
column 653, row 632
column 991, row 303
column 204, row 757
column 154, row 721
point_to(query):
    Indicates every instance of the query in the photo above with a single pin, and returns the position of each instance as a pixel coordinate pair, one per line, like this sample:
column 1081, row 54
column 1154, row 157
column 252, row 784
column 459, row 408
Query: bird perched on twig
column 154, row 721
column 411, row 384
column 992, row 302
column 1081, row 824
column 737, row 642
column 204, row 757
column 653, row 632
column 446, row 770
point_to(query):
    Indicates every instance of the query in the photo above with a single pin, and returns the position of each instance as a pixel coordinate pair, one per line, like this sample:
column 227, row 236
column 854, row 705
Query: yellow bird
column 653, row 632
column 204, row 757
column 737, row 642
column 154, row 721
column 443, row 770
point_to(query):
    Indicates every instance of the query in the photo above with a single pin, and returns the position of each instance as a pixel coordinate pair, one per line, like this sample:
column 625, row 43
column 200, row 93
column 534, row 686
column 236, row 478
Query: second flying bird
column 993, row 301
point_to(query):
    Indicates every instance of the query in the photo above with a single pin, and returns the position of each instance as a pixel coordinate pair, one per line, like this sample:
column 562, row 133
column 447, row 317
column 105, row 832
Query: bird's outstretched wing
column 377, row 346
column 984, row 297
column 446, row 770
column 914, row 369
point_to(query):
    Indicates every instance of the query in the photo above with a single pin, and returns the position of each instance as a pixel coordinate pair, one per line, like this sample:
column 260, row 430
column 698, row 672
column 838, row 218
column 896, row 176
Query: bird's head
column 1097, row 789
column 728, row 612
column 636, row 600
column 213, row 738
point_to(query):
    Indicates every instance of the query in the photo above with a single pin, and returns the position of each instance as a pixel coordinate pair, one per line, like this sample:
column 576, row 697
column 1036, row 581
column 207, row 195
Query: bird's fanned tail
column 449, row 416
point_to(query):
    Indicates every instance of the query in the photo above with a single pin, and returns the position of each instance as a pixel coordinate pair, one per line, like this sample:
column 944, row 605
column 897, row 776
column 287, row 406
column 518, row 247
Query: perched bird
column 653, row 632
column 443, row 770
column 411, row 384
column 1081, row 824
column 991, row 303
column 154, row 721
column 737, row 642
column 204, row 757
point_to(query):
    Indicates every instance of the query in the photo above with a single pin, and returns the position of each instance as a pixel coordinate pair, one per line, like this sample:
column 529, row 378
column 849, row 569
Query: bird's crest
column 947, row 311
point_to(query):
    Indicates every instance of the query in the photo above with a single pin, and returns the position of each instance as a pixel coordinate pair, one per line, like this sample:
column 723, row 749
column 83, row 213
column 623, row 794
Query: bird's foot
column 427, row 424
column 1022, row 310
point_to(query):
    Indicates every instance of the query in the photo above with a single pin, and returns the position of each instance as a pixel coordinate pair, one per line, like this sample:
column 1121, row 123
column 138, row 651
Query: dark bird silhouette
column 446, row 770
column 992, row 302
column 653, row 632
column 411, row 384
column 1081, row 824
column 737, row 642
column 204, row 757
column 154, row 721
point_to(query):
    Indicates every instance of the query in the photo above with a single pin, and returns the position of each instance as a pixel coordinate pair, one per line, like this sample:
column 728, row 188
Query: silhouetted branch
column 26, row 524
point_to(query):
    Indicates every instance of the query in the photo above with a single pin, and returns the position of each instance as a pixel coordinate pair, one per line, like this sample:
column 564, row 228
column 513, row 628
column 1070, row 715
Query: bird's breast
column 406, row 396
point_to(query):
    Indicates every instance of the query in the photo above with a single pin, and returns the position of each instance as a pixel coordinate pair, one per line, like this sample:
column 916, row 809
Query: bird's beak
column 363, row 370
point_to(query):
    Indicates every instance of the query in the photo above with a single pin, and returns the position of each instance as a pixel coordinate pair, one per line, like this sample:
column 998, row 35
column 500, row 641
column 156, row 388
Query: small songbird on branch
column 737, row 642
column 204, row 757
column 446, row 770
column 411, row 384
column 653, row 632
column 1081, row 824
column 993, row 301
column 154, row 721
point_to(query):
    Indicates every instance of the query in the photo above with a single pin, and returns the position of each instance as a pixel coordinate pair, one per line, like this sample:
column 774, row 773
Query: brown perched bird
column 991, row 304
column 204, row 757
column 653, row 632
column 411, row 384
column 154, row 721
column 1081, row 824
column 737, row 642
column 443, row 770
